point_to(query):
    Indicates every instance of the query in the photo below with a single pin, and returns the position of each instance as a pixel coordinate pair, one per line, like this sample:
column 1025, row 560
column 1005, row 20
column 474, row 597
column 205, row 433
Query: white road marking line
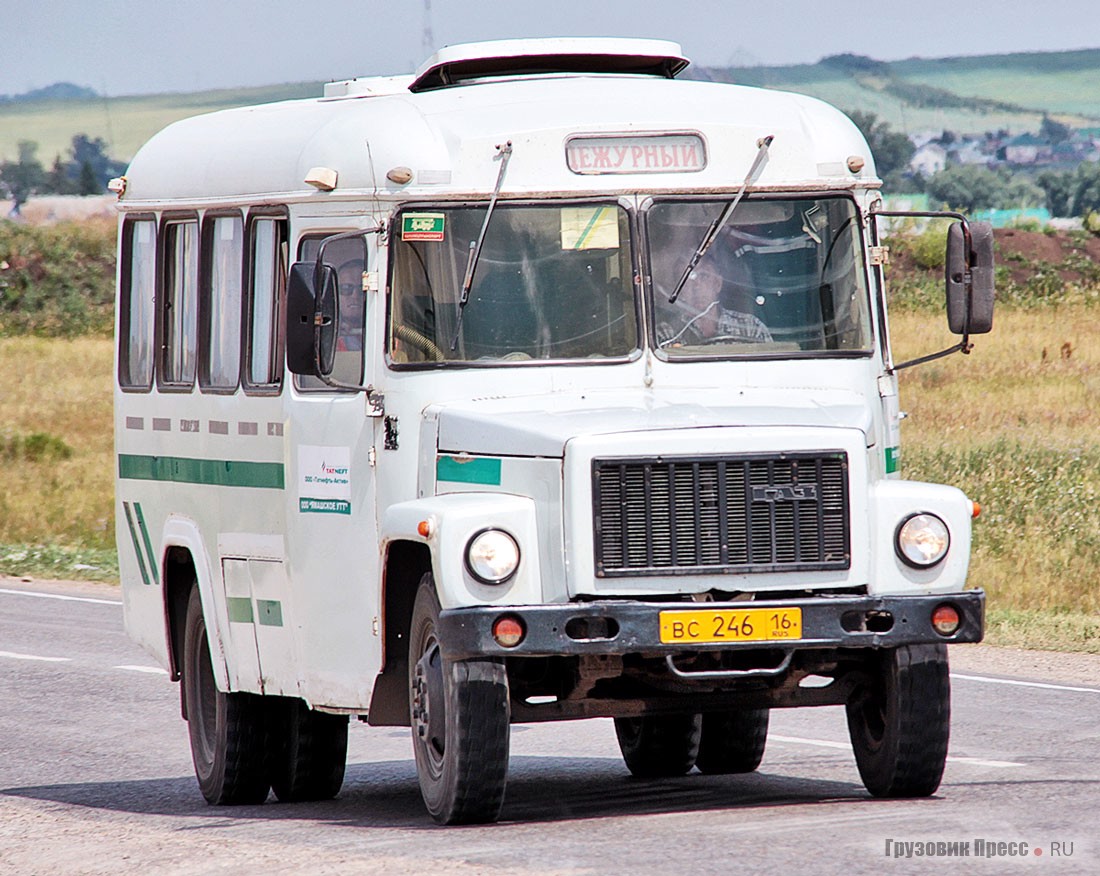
column 152, row 670
column 1019, row 683
column 845, row 746
column 61, row 596
column 13, row 656
column 820, row 743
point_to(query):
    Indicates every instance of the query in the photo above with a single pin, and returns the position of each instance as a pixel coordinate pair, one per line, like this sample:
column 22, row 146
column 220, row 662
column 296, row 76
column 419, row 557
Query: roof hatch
column 454, row 65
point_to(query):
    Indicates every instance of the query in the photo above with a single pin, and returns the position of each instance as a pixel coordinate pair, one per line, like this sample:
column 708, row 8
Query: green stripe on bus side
column 137, row 545
column 239, row 608
column 270, row 613
column 214, row 472
column 148, row 543
column 480, row 470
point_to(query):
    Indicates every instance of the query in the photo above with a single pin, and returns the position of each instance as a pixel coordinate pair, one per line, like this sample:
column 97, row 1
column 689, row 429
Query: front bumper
column 633, row 627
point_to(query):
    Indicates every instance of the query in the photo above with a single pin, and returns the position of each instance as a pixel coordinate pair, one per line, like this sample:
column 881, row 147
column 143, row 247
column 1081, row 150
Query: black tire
column 308, row 752
column 460, row 717
column 227, row 730
column 733, row 741
column 656, row 746
column 900, row 722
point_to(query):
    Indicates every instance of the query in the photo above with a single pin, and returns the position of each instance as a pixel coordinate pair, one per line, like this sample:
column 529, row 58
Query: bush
column 928, row 248
column 57, row 280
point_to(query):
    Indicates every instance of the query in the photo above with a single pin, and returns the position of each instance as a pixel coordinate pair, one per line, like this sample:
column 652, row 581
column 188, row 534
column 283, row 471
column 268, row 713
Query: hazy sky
column 137, row 46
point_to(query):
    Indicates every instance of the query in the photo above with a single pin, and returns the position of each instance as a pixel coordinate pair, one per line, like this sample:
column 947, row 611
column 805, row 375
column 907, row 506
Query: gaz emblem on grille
column 785, row 493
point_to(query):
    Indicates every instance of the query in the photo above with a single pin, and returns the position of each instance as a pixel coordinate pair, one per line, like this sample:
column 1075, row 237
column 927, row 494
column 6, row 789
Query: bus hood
column 542, row 425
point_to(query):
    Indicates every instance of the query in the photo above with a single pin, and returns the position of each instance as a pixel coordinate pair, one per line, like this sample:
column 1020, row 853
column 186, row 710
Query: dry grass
column 59, row 390
column 1017, row 426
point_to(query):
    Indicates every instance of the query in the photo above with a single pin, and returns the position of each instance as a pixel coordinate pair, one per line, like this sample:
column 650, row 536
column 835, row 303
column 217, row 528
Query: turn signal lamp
column 508, row 631
column 945, row 620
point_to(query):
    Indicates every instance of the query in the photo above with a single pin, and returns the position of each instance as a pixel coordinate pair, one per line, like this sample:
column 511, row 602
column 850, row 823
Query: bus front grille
column 725, row 514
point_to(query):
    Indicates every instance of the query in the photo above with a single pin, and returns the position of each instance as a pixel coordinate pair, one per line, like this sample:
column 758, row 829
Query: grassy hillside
column 968, row 95
column 123, row 122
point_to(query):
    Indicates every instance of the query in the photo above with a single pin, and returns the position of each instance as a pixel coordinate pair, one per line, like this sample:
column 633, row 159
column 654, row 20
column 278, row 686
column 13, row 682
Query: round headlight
column 492, row 556
column 922, row 540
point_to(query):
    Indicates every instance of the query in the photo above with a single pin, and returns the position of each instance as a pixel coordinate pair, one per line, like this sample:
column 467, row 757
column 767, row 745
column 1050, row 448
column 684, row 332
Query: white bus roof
column 444, row 125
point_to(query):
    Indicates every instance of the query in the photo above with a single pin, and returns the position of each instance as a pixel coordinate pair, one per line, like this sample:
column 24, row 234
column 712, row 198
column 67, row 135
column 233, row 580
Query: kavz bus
column 538, row 385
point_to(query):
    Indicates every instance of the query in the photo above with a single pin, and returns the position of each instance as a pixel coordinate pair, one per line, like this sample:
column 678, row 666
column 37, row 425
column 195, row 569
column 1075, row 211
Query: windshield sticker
column 324, row 480
column 422, row 226
column 589, row 228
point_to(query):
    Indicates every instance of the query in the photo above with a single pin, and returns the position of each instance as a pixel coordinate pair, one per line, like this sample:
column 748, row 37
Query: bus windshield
column 551, row 282
column 783, row 277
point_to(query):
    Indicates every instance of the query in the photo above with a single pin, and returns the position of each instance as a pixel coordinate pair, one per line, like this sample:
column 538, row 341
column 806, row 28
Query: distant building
column 1026, row 149
column 968, row 152
column 928, row 159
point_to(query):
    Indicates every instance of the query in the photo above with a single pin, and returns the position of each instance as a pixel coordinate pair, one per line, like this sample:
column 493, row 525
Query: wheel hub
column 427, row 709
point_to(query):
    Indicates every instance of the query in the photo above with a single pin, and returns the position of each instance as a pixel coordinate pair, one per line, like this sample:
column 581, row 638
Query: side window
column 137, row 301
column 349, row 257
column 223, row 248
column 179, row 314
column 267, row 281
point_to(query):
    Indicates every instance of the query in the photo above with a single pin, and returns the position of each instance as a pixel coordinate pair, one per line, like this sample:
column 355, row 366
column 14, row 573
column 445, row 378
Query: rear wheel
column 659, row 745
column 733, row 741
column 308, row 751
column 899, row 721
column 460, row 716
column 227, row 730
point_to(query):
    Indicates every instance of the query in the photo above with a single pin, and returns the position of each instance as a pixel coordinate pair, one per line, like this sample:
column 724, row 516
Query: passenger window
column 266, row 289
column 349, row 257
column 180, row 306
column 222, row 252
column 139, row 272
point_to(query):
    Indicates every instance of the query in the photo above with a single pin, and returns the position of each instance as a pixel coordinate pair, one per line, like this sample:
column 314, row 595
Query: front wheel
column 899, row 721
column 227, row 730
column 460, row 716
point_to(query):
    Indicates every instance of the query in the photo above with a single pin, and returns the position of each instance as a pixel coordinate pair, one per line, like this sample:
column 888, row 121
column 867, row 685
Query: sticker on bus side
column 422, row 226
column 324, row 480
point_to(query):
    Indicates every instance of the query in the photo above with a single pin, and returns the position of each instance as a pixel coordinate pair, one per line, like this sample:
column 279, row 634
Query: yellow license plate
column 701, row 626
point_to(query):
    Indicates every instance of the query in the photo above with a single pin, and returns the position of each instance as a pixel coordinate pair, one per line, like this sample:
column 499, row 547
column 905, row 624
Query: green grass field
column 124, row 123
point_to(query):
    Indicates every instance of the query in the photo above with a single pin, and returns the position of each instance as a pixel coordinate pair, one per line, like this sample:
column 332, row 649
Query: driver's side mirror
column 970, row 313
column 312, row 316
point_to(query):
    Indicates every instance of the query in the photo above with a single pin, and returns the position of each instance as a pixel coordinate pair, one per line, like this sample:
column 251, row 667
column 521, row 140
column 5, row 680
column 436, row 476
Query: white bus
column 538, row 385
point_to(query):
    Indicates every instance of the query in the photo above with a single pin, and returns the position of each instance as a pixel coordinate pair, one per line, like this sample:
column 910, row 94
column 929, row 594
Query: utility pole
column 429, row 41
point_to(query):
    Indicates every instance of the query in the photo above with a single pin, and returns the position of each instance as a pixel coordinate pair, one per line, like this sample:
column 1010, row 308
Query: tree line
column 86, row 172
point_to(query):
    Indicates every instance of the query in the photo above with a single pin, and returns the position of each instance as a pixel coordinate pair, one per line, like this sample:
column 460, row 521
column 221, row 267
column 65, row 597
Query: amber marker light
column 424, row 527
column 945, row 619
column 975, row 509
column 508, row 631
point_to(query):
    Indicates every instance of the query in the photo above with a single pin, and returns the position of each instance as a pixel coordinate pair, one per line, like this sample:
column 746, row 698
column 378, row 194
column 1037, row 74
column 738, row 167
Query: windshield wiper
column 718, row 224
column 504, row 153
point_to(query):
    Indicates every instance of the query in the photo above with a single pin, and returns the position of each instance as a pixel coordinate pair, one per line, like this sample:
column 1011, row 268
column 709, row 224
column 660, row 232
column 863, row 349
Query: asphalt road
column 95, row 777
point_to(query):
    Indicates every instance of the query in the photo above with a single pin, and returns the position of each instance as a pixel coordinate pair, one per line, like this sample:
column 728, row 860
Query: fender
column 182, row 532
column 449, row 522
column 891, row 502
